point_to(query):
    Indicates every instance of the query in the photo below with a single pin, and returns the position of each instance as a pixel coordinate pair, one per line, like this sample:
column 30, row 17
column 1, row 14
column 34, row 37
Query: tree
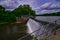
column 51, row 14
column 1, row 8
column 6, row 16
column 23, row 10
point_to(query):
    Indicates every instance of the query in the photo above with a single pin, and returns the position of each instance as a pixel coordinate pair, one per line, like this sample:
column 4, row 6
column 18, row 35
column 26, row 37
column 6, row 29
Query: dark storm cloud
column 57, row 0
column 1, row 0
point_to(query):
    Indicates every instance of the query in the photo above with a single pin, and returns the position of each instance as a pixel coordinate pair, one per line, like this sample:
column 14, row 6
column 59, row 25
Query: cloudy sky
column 40, row 6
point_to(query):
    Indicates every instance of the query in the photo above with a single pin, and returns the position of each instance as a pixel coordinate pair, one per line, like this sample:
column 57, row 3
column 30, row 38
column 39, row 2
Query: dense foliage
column 6, row 16
column 9, row 16
column 23, row 10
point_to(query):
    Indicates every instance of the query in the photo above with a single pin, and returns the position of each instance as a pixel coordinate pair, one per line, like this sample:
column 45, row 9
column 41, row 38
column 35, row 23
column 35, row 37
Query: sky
column 40, row 6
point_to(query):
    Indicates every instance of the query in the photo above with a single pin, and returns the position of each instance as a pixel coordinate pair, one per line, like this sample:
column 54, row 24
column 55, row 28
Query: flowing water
column 44, row 29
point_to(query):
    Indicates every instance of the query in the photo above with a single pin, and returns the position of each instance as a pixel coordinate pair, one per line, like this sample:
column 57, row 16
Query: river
column 44, row 29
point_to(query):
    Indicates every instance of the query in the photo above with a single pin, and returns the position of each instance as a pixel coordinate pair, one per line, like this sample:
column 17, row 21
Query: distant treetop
column 23, row 10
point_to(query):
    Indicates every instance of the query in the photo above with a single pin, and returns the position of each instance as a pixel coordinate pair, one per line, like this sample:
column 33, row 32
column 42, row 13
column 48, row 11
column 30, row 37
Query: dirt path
column 55, row 37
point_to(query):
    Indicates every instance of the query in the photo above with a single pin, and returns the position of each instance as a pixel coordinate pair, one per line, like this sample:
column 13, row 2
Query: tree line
column 51, row 14
column 10, row 16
